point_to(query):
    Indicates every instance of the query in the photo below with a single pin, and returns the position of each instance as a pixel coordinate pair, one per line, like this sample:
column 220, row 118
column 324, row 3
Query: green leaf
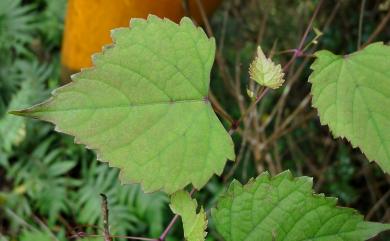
column 144, row 106
column 265, row 72
column 194, row 224
column 352, row 95
column 284, row 208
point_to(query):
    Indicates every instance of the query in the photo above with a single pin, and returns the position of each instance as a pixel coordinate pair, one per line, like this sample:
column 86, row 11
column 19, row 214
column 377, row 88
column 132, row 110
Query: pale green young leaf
column 194, row 224
column 352, row 95
column 144, row 106
column 284, row 208
column 265, row 72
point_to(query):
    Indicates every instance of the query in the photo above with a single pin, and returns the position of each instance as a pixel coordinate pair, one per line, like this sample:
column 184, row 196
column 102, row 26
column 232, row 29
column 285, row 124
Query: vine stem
column 359, row 41
column 297, row 53
column 106, row 233
column 106, row 226
column 237, row 123
column 168, row 228
column 378, row 29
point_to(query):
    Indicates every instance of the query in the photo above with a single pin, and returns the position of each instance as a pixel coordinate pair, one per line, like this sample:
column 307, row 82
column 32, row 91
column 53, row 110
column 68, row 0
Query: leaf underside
column 144, row 106
column 284, row 208
column 352, row 95
column 194, row 224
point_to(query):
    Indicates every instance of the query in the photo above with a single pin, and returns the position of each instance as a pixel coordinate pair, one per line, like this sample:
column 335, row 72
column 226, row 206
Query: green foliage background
column 49, row 187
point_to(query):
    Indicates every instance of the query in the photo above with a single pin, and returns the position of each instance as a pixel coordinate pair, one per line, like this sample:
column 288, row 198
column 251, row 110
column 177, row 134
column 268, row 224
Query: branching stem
column 237, row 123
column 297, row 53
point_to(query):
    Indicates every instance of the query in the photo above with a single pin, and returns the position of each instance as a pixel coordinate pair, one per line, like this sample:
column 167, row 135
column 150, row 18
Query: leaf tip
column 134, row 22
column 23, row 112
column 186, row 20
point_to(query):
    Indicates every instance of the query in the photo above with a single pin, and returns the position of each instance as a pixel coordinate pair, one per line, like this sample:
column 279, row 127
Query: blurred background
column 49, row 186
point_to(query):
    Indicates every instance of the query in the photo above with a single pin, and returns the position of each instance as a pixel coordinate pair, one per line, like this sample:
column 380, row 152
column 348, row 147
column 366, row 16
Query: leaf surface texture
column 283, row 208
column 352, row 95
column 144, row 106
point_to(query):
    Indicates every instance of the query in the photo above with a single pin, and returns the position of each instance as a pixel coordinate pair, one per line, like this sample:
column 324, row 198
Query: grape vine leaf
column 352, row 95
column 284, row 208
column 265, row 72
column 144, row 107
column 194, row 224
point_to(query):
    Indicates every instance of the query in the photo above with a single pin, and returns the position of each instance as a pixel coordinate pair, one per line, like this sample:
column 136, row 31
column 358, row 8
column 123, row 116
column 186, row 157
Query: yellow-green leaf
column 144, row 107
column 265, row 72
column 352, row 95
column 194, row 224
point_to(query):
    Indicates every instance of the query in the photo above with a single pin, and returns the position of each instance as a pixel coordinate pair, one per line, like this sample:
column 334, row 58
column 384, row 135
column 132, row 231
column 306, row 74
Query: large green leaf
column 352, row 95
column 144, row 106
column 283, row 208
column 194, row 224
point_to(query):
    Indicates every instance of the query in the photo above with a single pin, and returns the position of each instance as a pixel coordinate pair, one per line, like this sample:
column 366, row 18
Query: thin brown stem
column 378, row 29
column 237, row 123
column 359, row 40
column 219, row 109
column 298, row 51
column 377, row 205
column 106, row 226
column 67, row 225
column 168, row 228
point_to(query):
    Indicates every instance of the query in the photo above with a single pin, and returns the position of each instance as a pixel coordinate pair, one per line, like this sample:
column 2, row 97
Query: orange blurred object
column 88, row 23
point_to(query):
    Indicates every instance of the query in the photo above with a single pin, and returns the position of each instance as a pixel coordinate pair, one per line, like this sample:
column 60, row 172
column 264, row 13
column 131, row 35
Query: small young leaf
column 284, row 208
column 194, row 224
column 144, row 106
column 265, row 72
column 352, row 95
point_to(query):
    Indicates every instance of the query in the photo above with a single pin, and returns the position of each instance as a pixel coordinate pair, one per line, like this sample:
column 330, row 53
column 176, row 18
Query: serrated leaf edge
column 235, row 186
column 313, row 67
column 195, row 203
column 137, row 22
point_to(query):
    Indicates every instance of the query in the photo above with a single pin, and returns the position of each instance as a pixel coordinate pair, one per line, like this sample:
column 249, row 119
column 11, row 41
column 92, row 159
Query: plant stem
column 106, row 231
column 168, row 228
column 359, row 41
column 237, row 123
column 298, row 51
column 378, row 29
column 219, row 110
